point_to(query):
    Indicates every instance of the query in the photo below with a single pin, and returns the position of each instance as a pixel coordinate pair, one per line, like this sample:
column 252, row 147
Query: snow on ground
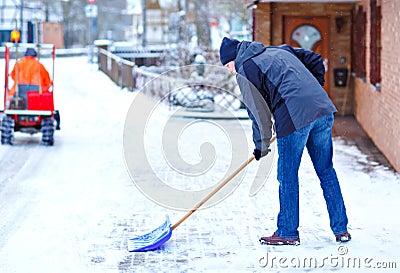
column 72, row 207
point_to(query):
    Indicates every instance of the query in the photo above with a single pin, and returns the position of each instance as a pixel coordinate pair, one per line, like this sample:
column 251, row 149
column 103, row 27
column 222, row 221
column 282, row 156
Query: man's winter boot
column 276, row 240
column 343, row 238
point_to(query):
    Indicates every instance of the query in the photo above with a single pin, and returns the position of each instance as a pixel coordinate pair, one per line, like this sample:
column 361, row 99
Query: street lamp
column 91, row 14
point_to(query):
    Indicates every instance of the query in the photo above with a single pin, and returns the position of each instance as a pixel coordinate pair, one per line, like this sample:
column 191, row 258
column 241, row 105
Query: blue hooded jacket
column 283, row 81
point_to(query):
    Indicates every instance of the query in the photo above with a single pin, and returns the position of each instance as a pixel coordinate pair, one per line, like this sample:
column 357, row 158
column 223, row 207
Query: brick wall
column 262, row 24
column 378, row 112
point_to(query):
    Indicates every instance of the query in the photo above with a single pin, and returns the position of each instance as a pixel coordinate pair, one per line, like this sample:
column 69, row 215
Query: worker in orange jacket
column 30, row 71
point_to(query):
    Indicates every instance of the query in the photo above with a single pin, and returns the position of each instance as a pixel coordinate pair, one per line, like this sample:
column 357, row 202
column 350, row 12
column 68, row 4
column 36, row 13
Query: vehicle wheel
column 48, row 131
column 7, row 130
column 57, row 119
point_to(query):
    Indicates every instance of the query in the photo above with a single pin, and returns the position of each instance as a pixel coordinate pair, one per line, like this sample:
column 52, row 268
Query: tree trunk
column 202, row 24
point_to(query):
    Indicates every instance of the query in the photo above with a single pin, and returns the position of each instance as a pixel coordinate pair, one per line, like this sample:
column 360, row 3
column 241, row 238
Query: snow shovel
column 160, row 235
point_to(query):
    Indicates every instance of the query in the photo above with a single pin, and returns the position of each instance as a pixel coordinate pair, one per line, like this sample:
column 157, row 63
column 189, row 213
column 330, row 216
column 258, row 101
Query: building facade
column 358, row 40
column 30, row 18
column 376, row 52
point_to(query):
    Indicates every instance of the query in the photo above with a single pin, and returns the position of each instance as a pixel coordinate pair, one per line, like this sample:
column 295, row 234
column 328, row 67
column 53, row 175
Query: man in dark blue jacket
column 285, row 84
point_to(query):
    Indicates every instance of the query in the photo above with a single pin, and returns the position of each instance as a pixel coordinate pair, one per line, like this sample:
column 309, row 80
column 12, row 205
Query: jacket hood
column 247, row 50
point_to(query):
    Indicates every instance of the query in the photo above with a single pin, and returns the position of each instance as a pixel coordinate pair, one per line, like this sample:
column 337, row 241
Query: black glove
column 257, row 153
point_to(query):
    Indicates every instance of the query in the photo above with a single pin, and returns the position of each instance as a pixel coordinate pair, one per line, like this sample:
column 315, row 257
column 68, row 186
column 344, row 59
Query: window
column 358, row 60
column 306, row 36
column 375, row 45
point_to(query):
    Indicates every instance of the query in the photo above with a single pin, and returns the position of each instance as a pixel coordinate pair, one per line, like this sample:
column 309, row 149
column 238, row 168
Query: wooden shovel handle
column 220, row 186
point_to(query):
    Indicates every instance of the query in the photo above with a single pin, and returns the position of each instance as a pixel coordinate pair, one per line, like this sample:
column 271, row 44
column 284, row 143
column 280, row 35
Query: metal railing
column 175, row 87
column 118, row 69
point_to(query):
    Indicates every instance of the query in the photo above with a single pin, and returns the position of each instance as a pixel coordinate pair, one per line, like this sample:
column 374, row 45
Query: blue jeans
column 317, row 137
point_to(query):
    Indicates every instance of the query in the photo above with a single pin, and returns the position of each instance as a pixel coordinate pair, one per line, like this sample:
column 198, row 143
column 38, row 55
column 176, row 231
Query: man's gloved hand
column 258, row 154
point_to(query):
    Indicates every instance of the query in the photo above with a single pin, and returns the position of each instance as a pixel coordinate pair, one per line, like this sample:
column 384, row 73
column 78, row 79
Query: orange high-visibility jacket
column 30, row 71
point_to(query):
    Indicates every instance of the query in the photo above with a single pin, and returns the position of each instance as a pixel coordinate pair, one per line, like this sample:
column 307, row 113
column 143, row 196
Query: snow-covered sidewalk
column 78, row 205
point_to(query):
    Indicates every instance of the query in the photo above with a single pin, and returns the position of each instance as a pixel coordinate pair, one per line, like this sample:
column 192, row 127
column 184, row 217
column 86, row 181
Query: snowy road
column 72, row 207
column 52, row 198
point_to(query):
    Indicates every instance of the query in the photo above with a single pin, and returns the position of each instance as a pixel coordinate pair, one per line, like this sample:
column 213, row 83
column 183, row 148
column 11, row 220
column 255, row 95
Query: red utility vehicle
column 31, row 108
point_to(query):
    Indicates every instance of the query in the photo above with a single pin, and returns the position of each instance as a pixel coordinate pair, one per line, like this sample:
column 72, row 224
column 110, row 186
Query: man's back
column 31, row 71
column 293, row 94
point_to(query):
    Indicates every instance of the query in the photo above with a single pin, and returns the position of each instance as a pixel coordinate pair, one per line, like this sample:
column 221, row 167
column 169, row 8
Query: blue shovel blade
column 152, row 240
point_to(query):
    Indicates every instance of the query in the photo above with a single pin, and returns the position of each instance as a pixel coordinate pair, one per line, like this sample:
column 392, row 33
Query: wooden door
column 310, row 33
